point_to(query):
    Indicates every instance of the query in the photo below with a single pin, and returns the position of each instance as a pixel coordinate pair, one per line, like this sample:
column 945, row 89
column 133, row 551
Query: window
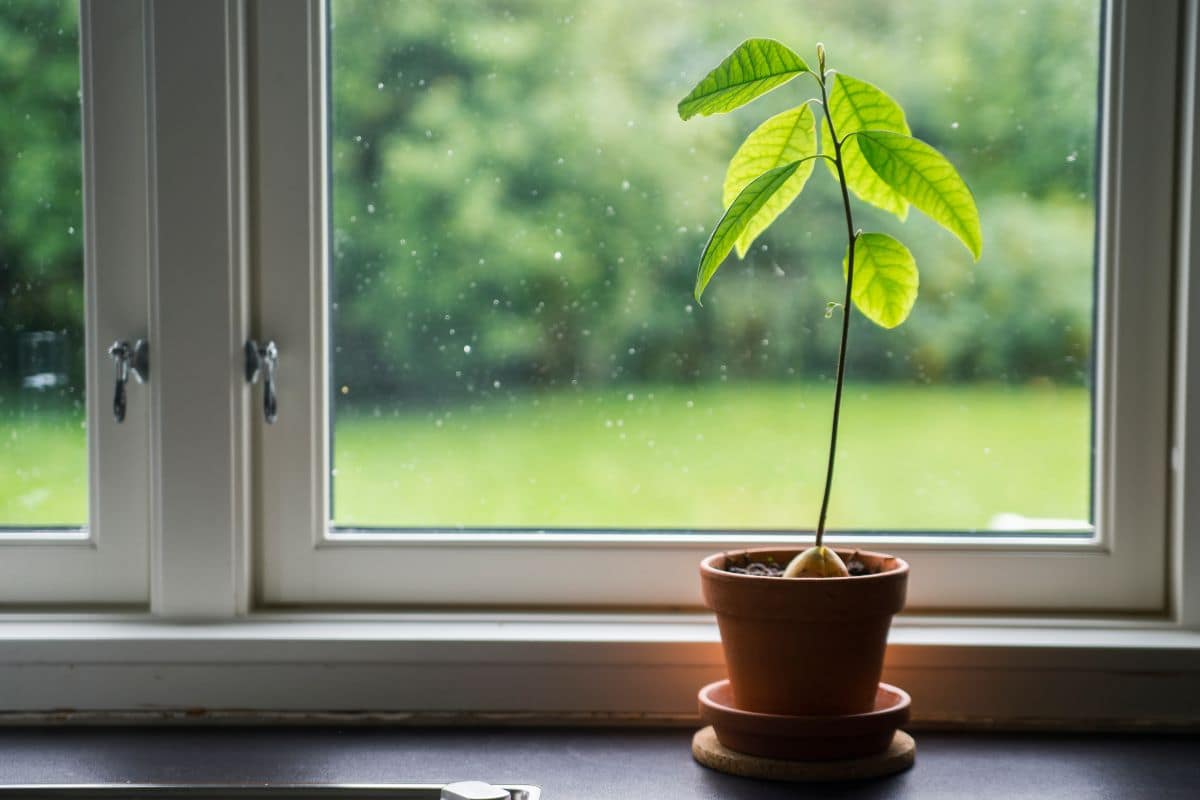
column 415, row 428
column 495, row 292
column 224, row 194
column 73, row 484
column 217, row 191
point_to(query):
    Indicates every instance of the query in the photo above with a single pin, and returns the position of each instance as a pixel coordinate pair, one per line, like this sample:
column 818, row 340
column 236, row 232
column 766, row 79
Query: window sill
column 586, row 668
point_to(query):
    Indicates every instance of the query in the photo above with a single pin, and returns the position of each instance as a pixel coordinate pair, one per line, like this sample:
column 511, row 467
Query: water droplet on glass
column 467, row 348
column 557, row 255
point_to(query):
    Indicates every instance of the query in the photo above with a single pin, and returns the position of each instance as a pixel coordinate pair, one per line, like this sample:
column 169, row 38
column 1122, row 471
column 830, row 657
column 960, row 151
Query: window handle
column 135, row 360
column 264, row 360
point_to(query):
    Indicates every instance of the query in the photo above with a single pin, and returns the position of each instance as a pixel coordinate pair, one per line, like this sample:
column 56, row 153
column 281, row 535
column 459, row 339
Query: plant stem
column 841, row 365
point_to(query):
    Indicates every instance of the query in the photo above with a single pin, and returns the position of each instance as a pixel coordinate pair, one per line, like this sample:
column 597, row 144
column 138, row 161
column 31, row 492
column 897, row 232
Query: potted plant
column 804, row 633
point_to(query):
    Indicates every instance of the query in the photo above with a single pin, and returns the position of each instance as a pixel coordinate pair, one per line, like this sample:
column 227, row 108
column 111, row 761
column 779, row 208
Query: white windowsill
column 573, row 667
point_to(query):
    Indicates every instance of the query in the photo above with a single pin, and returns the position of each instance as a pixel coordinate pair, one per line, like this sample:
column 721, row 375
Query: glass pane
column 517, row 215
column 43, row 440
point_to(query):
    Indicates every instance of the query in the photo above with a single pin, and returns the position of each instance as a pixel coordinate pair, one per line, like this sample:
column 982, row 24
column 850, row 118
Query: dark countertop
column 579, row 763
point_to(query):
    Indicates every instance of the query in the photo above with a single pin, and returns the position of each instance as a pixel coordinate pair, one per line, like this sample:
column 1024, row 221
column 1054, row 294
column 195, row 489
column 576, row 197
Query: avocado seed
column 816, row 562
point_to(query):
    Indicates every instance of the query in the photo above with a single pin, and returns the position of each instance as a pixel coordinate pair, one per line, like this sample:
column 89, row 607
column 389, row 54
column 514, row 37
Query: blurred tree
column 510, row 206
column 41, row 229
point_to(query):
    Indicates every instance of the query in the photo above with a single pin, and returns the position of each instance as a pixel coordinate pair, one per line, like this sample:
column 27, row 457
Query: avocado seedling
column 868, row 148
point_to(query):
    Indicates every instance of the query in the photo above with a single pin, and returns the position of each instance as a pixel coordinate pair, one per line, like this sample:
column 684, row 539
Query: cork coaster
column 899, row 756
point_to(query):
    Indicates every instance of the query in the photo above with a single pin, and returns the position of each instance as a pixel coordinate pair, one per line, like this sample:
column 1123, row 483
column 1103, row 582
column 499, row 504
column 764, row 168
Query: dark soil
column 768, row 569
column 771, row 568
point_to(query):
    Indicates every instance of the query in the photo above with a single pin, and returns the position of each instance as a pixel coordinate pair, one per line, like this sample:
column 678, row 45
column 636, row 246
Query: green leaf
column 754, row 68
column 885, row 278
column 926, row 179
column 782, row 139
column 736, row 218
column 856, row 105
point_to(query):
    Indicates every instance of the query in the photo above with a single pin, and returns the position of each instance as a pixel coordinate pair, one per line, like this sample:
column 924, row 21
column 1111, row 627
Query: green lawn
column 737, row 456
column 43, row 467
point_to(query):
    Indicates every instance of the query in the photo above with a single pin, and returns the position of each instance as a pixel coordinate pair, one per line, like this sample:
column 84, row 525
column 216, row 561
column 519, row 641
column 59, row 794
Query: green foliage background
column 473, row 140
column 41, row 213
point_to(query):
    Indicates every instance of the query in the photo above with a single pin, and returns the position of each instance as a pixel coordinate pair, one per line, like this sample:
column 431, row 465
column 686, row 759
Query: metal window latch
column 264, row 360
column 136, row 360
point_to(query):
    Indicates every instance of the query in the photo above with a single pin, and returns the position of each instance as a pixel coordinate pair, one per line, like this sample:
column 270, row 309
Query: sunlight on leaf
column 885, row 279
column 856, row 105
column 733, row 223
column 782, row 139
column 926, row 179
column 754, row 68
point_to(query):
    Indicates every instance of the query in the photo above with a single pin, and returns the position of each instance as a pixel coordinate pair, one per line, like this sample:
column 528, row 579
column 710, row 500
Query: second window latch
column 263, row 360
column 133, row 359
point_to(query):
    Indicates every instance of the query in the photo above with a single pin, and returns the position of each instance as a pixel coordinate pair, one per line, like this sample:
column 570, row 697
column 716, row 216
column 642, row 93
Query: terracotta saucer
column 823, row 738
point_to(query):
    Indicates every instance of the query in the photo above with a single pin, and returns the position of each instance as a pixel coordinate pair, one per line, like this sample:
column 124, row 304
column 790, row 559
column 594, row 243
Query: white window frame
column 199, row 503
column 105, row 562
column 1121, row 568
column 165, row 260
column 238, row 658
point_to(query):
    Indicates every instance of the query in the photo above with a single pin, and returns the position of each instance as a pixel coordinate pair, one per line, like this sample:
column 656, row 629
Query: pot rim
column 901, row 706
column 711, row 572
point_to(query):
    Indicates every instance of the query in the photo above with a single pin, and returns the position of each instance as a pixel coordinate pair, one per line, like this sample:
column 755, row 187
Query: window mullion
column 198, row 324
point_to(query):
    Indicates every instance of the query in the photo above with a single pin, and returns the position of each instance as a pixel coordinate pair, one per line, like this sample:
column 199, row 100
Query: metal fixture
column 264, row 361
column 474, row 790
column 136, row 360
column 245, row 791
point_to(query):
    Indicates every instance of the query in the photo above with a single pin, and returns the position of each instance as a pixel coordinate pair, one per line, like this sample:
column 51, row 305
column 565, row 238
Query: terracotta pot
column 804, row 646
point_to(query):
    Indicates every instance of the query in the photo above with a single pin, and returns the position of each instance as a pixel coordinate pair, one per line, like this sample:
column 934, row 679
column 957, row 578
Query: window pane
column 43, row 441
column 517, row 214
